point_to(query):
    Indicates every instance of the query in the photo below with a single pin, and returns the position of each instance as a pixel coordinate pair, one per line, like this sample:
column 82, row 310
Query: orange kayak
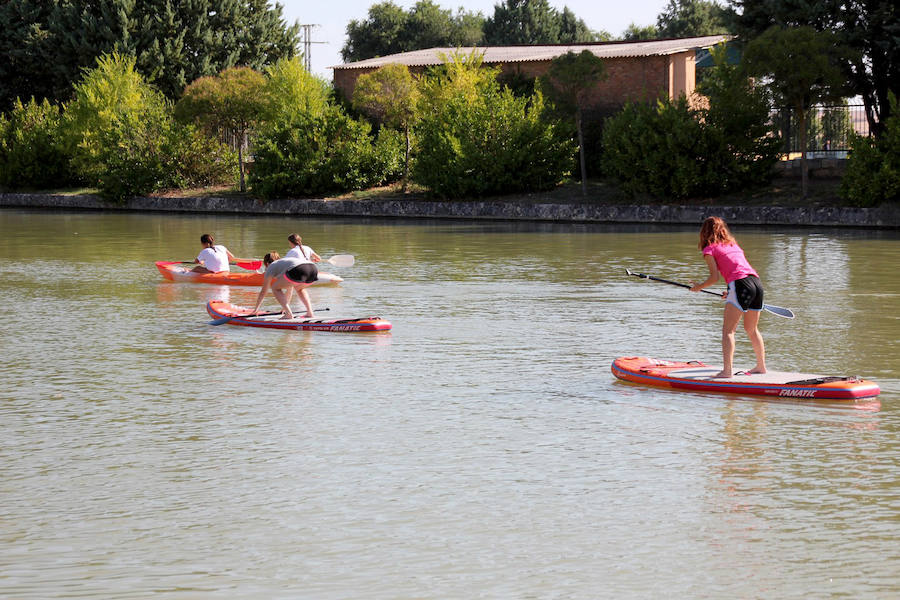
column 181, row 272
column 699, row 377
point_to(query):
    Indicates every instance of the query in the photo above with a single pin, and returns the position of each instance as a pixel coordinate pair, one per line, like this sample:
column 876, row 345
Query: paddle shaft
column 250, row 265
column 775, row 310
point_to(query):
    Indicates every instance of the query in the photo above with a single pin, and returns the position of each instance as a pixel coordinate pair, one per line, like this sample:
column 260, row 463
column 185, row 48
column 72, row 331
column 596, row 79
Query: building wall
column 630, row 79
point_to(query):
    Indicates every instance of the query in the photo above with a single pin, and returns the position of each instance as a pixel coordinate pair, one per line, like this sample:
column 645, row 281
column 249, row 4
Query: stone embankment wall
column 882, row 217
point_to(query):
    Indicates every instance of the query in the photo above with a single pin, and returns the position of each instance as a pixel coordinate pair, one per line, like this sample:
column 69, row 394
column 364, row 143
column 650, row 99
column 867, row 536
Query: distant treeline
column 133, row 97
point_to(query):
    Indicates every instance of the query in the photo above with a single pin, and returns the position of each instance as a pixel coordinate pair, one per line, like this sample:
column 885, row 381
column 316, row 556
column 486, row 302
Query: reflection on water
column 482, row 445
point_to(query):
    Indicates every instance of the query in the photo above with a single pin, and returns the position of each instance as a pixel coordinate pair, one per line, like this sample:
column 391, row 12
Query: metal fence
column 828, row 128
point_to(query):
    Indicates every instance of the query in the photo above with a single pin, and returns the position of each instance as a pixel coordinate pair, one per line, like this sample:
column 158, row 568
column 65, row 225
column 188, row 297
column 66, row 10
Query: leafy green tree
column 870, row 28
column 799, row 65
column 477, row 138
column 679, row 149
column 111, row 93
column 32, row 154
column 738, row 120
column 389, row 30
column 691, row 18
column 873, row 170
column 640, row 32
column 534, row 22
column 291, row 89
column 390, row 96
column 568, row 82
column 379, row 35
column 233, row 100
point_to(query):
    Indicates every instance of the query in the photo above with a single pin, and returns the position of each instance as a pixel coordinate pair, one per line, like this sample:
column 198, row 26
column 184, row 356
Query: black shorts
column 305, row 273
column 746, row 293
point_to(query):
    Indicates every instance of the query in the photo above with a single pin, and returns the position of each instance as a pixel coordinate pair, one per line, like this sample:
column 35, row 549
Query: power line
column 307, row 45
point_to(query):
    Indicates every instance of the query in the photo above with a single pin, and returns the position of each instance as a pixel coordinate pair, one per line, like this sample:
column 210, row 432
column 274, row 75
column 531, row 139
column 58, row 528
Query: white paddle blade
column 342, row 260
column 781, row 312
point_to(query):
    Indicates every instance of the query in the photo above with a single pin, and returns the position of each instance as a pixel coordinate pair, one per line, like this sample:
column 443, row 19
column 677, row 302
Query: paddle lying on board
column 224, row 320
column 775, row 310
column 341, row 260
column 250, row 265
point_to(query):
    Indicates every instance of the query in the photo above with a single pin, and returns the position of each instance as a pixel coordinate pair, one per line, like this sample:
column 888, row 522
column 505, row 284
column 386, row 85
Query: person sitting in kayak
column 299, row 250
column 288, row 273
column 744, row 297
column 214, row 258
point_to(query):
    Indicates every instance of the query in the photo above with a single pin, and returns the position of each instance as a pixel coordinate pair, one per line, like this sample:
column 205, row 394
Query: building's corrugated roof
column 511, row 54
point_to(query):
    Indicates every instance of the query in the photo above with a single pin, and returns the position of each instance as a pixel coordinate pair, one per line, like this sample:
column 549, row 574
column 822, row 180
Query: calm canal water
column 482, row 449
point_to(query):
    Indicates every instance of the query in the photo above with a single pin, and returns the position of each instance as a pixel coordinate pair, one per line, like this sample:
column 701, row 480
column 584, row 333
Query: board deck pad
column 700, row 377
column 241, row 316
column 776, row 377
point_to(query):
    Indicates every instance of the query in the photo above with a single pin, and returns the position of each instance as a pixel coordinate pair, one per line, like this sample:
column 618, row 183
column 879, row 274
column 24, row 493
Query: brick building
column 637, row 70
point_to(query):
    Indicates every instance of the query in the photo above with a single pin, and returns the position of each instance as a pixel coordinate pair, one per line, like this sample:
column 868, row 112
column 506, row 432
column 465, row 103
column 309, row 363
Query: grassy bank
column 780, row 192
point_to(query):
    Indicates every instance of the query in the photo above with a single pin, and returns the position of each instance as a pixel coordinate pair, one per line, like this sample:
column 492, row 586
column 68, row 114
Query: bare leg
column 751, row 326
column 729, row 326
column 304, row 296
column 289, row 295
column 282, row 300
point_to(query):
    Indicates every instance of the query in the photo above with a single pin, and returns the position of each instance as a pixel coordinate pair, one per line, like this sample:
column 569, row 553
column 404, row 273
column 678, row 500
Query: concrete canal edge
column 879, row 217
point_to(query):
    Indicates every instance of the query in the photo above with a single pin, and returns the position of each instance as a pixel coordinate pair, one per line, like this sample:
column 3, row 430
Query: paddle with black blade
column 775, row 310
column 223, row 320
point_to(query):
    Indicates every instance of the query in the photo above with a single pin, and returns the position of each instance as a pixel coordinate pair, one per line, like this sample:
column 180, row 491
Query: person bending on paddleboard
column 288, row 273
column 744, row 297
column 214, row 258
column 299, row 250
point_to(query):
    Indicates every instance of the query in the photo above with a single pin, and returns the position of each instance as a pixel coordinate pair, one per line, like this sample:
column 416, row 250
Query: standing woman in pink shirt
column 745, row 292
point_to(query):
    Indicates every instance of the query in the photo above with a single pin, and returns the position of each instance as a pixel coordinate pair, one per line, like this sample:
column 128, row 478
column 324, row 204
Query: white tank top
column 215, row 259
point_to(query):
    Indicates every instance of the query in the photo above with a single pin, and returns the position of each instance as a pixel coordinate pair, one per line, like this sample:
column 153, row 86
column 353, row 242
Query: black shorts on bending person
column 746, row 294
column 305, row 273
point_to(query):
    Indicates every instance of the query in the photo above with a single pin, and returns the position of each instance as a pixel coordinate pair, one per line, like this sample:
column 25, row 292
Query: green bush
column 127, row 159
column 32, row 154
column 195, row 160
column 671, row 151
column 477, row 139
column 109, row 101
column 328, row 152
column 873, row 169
column 676, row 150
column 657, row 150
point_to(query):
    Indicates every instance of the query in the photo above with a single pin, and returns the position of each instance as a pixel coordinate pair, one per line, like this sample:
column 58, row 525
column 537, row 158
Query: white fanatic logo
column 798, row 393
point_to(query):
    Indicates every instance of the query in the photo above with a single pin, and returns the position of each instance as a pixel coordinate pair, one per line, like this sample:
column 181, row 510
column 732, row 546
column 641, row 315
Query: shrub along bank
column 469, row 136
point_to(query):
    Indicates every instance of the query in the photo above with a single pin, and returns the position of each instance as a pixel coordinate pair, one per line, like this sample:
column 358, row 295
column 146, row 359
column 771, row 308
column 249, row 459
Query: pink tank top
column 730, row 261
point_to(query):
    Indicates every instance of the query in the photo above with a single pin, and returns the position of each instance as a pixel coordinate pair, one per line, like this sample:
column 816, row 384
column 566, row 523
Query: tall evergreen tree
column 24, row 40
column 389, row 30
column 522, row 22
column 51, row 42
column 690, row 18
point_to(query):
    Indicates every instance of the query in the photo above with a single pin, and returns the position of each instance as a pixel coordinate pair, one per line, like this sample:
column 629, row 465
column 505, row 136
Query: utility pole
column 307, row 45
